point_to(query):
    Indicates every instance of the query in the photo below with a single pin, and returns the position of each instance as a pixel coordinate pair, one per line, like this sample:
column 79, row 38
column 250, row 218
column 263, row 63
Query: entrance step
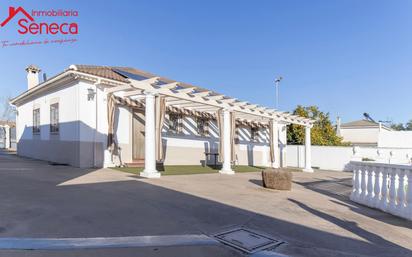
column 135, row 164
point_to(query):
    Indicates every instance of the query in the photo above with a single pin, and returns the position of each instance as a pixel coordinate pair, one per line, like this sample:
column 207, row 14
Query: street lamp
column 277, row 81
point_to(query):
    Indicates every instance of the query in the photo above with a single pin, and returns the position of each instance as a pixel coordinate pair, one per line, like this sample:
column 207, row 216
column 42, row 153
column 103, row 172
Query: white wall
column 381, row 138
column 360, row 135
column 338, row 158
column 188, row 148
column 66, row 97
column 78, row 142
column 323, row 157
column 61, row 147
column 400, row 139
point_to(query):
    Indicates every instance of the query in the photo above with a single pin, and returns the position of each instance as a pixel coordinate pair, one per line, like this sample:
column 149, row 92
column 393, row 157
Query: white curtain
column 219, row 121
column 232, row 135
column 111, row 106
column 271, row 143
column 160, row 117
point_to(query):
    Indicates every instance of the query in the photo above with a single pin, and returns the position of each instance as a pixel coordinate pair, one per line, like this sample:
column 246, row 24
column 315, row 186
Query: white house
column 361, row 132
column 373, row 134
column 95, row 116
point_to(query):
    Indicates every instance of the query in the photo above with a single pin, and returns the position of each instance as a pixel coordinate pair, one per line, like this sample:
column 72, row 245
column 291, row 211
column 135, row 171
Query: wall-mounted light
column 90, row 94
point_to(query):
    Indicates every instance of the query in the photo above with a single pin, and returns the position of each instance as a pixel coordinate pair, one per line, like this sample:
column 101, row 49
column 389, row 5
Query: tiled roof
column 361, row 123
column 101, row 71
column 121, row 74
column 5, row 122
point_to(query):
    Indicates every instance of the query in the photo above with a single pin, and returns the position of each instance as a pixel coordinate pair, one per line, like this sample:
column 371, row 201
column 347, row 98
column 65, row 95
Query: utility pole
column 277, row 81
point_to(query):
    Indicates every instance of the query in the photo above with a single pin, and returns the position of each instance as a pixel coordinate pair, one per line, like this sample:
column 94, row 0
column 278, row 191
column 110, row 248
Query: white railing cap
column 379, row 164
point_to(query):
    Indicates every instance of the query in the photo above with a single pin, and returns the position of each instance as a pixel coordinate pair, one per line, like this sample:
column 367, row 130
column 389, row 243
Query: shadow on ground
column 340, row 190
column 33, row 205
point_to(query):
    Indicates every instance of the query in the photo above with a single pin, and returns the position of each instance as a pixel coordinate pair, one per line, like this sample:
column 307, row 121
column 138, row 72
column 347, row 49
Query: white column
column 308, row 151
column 150, row 139
column 7, row 130
column 275, row 136
column 226, row 169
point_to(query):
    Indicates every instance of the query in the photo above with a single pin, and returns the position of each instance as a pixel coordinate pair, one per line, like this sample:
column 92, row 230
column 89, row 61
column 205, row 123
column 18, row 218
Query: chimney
column 12, row 11
column 338, row 126
column 33, row 76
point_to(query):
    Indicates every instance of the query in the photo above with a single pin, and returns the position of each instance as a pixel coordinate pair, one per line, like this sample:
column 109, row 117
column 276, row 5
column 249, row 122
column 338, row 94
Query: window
column 175, row 123
column 54, row 118
column 202, row 127
column 36, row 121
column 254, row 133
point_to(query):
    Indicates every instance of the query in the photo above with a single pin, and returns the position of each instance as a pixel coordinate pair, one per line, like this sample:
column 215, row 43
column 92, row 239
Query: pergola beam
column 177, row 102
column 228, row 100
column 186, row 90
column 118, row 88
column 240, row 104
column 132, row 93
column 145, row 82
column 251, row 106
column 202, row 94
column 247, row 109
column 261, row 109
column 188, row 105
column 170, row 85
column 202, row 110
column 207, row 108
column 215, row 97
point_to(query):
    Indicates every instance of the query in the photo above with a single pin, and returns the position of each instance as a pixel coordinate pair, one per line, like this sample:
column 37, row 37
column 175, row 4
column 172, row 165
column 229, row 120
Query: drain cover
column 247, row 240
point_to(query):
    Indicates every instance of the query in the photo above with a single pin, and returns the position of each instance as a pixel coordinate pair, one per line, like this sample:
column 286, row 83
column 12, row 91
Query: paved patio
column 315, row 218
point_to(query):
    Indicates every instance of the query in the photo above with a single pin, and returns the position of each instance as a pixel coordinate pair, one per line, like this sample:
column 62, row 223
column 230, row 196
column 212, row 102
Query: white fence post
column 370, row 193
column 377, row 187
column 400, row 207
column 392, row 191
column 409, row 197
column 384, row 195
column 384, row 186
column 355, row 181
column 362, row 170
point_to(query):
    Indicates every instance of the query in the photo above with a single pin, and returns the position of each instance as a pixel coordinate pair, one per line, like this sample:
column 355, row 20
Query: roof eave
column 44, row 85
column 72, row 74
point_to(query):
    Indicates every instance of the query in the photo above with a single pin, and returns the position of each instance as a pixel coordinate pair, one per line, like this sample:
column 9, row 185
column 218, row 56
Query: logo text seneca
column 46, row 28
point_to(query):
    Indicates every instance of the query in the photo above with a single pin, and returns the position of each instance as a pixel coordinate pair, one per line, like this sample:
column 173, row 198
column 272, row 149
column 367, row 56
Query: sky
column 347, row 57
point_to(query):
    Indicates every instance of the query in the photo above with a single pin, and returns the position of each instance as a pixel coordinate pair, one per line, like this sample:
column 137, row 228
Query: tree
column 397, row 126
column 401, row 126
column 7, row 111
column 322, row 133
column 408, row 125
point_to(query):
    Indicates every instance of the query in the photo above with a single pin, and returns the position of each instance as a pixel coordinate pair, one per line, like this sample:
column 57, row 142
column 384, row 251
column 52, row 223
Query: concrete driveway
column 315, row 219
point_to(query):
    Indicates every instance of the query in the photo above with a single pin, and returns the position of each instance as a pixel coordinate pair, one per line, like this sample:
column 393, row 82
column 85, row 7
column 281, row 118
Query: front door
column 138, row 134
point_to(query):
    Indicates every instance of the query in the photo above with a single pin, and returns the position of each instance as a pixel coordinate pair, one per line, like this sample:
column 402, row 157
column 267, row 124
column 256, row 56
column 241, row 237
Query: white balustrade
column 387, row 187
column 376, row 187
column 384, row 190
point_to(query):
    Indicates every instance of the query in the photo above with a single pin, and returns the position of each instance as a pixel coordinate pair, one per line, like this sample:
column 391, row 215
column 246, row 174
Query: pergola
column 186, row 97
